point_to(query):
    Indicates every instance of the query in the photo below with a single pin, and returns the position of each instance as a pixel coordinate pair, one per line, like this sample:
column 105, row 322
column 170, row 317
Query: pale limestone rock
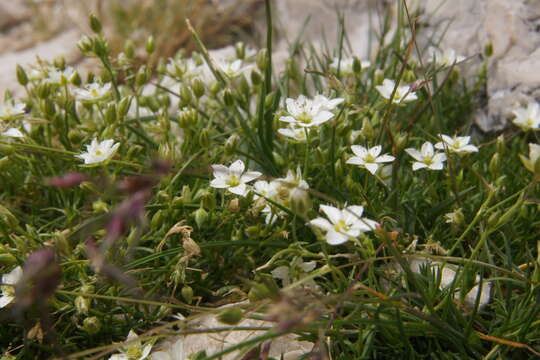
column 13, row 12
column 63, row 45
column 288, row 346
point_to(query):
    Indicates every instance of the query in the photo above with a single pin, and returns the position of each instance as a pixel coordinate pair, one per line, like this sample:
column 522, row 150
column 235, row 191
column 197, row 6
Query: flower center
column 304, row 117
column 98, row 153
column 94, row 93
column 428, row 160
column 369, row 158
column 340, row 226
column 134, row 353
column 233, row 181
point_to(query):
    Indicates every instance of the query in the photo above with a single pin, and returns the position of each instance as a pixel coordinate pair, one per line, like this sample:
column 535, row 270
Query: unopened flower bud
column 150, row 45
column 157, row 220
column 234, row 205
column 95, row 24
column 231, row 144
column 187, row 294
column 22, row 78
column 185, row 96
column 85, row 45
column 256, row 78
column 231, row 316
column 198, row 88
column 367, row 130
column 240, row 49
column 262, row 59
column 92, row 325
column 82, row 305
column 494, row 165
column 378, row 77
column 300, row 201
column 200, row 217
column 357, row 65
column 228, row 98
column 100, row 207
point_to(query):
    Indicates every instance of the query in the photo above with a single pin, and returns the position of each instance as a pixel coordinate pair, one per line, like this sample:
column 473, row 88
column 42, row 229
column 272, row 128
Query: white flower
column 346, row 65
column 11, row 110
column 369, row 158
column 344, row 224
column 534, row 156
column 16, row 133
column 98, row 152
column 444, row 58
column 529, row 118
column 457, row 144
column 133, row 350
column 231, row 69
column 327, row 103
column 93, row 92
column 174, row 351
column 7, row 288
column 297, row 270
column 305, row 112
column 426, row 157
column 60, row 77
column 402, row 94
column 233, row 178
column 295, row 132
column 185, row 69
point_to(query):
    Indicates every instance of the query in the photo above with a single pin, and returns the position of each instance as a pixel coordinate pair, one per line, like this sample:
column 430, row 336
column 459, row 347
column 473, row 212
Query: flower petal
column 335, row 238
column 333, row 213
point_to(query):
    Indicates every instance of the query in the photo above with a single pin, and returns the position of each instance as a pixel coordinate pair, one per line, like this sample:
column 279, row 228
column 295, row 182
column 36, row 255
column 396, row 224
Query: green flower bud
column 82, row 305
column 186, row 194
column 95, row 24
column 7, row 149
column 123, row 107
column 200, row 217
column 231, row 144
column 378, row 77
column 208, row 200
column 240, row 49
column 110, row 114
column 231, row 316
column 488, row 49
column 198, row 88
column 7, row 259
column 204, row 138
column 494, row 165
column 367, row 129
column 142, row 76
column 100, row 207
column 256, row 78
column 357, row 65
column 228, row 98
column 262, row 59
column 150, row 45
column 92, row 325
column 215, row 87
column 187, row 294
column 129, row 49
column 22, row 78
column 85, row 45
column 500, row 146
column 300, row 201
column 157, row 220
column 185, row 96
column 269, row 99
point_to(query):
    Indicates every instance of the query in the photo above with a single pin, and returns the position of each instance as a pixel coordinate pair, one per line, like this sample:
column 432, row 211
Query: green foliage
column 193, row 247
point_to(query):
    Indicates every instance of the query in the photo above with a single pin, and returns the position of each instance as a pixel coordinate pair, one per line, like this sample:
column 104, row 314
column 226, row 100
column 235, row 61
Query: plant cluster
column 350, row 201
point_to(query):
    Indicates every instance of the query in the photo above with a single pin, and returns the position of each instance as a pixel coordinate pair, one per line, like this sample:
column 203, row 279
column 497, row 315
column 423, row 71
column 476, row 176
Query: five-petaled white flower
column 528, row 118
column 134, row 350
column 346, row 65
column 59, row 77
column 93, row 92
column 369, row 158
column 403, row 93
column 7, row 288
column 305, row 112
column 444, row 58
column 457, row 144
column 98, row 152
column 10, row 110
column 426, row 157
column 231, row 69
column 233, row 178
column 344, row 224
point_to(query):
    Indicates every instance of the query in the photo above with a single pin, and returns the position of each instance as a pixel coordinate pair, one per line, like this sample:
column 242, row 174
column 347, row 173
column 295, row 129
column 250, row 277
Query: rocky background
column 51, row 28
